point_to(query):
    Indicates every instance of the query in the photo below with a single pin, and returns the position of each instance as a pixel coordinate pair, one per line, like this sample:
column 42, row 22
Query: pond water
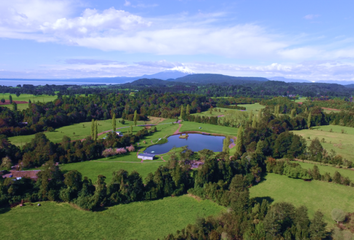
column 194, row 142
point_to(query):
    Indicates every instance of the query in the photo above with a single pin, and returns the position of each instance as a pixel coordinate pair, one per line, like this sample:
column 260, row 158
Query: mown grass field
column 323, row 169
column 208, row 128
column 139, row 220
column 314, row 195
column 341, row 143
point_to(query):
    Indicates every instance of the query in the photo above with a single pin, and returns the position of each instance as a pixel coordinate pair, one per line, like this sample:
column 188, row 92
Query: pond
column 194, row 142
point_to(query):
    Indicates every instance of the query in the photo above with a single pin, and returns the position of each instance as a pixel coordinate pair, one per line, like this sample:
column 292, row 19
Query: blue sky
column 310, row 40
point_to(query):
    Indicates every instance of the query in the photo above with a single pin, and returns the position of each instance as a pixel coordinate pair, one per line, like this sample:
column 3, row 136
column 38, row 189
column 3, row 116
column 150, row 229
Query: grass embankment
column 341, row 143
column 314, row 195
column 208, row 128
column 140, row 220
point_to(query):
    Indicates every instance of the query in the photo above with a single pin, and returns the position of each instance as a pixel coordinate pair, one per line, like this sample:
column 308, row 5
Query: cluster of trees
column 294, row 170
column 41, row 149
column 68, row 110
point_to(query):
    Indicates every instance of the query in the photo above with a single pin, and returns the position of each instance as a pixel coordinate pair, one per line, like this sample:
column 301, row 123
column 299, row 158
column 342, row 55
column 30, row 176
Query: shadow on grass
column 260, row 199
column 4, row 210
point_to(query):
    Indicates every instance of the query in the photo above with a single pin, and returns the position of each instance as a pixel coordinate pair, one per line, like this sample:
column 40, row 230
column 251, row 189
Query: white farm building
column 146, row 156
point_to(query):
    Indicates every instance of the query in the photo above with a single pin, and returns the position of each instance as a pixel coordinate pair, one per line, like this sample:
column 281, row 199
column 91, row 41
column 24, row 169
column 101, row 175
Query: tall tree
column 254, row 122
column 239, row 141
column 135, row 117
column 182, row 113
column 93, row 129
column 188, row 111
column 96, row 131
column 114, row 123
column 131, row 129
column 10, row 98
column 309, row 121
column 14, row 106
column 293, row 113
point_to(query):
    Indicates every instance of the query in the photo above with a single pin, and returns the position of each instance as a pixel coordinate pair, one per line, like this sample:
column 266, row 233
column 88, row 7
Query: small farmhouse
column 146, row 156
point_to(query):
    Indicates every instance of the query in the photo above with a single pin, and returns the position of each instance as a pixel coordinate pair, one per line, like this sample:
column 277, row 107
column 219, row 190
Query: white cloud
column 311, row 16
column 94, row 23
column 127, row 3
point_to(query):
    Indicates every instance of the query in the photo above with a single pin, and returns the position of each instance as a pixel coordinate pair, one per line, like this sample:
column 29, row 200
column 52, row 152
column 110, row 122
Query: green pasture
column 208, row 128
column 302, row 99
column 341, row 143
column 26, row 97
column 330, row 169
column 255, row 107
column 79, row 131
column 217, row 111
column 106, row 166
column 139, row 220
column 314, row 195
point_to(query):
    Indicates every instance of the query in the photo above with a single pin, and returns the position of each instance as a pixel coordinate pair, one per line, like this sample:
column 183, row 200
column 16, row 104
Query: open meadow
column 139, row 220
column 314, row 195
column 341, row 143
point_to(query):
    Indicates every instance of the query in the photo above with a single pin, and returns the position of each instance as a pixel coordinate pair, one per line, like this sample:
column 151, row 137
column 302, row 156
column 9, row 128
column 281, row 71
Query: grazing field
column 341, row 143
column 82, row 130
column 323, row 169
column 208, row 128
column 106, row 166
column 26, row 97
column 139, row 220
column 255, row 107
column 314, row 195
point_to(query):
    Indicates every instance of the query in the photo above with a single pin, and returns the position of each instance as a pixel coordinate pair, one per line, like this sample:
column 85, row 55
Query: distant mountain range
column 172, row 76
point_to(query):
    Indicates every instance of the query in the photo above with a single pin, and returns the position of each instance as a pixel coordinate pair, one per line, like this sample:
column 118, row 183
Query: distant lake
column 194, row 142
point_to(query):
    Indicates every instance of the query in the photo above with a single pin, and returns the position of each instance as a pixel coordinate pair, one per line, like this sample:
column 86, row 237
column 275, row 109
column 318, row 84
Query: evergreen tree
column 188, row 111
column 14, row 106
column 226, row 144
column 250, row 116
column 131, row 129
column 10, row 98
column 239, row 141
column 96, row 131
column 135, row 117
column 254, row 122
column 114, row 123
column 182, row 113
column 309, row 121
column 93, row 129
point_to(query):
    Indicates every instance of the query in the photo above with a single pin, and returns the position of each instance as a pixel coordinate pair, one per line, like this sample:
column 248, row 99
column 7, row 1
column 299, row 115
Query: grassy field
column 255, row 107
column 323, row 169
column 106, row 166
column 314, row 195
column 208, row 128
column 140, row 220
column 302, row 99
column 339, row 142
column 26, row 97
column 82, row 130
